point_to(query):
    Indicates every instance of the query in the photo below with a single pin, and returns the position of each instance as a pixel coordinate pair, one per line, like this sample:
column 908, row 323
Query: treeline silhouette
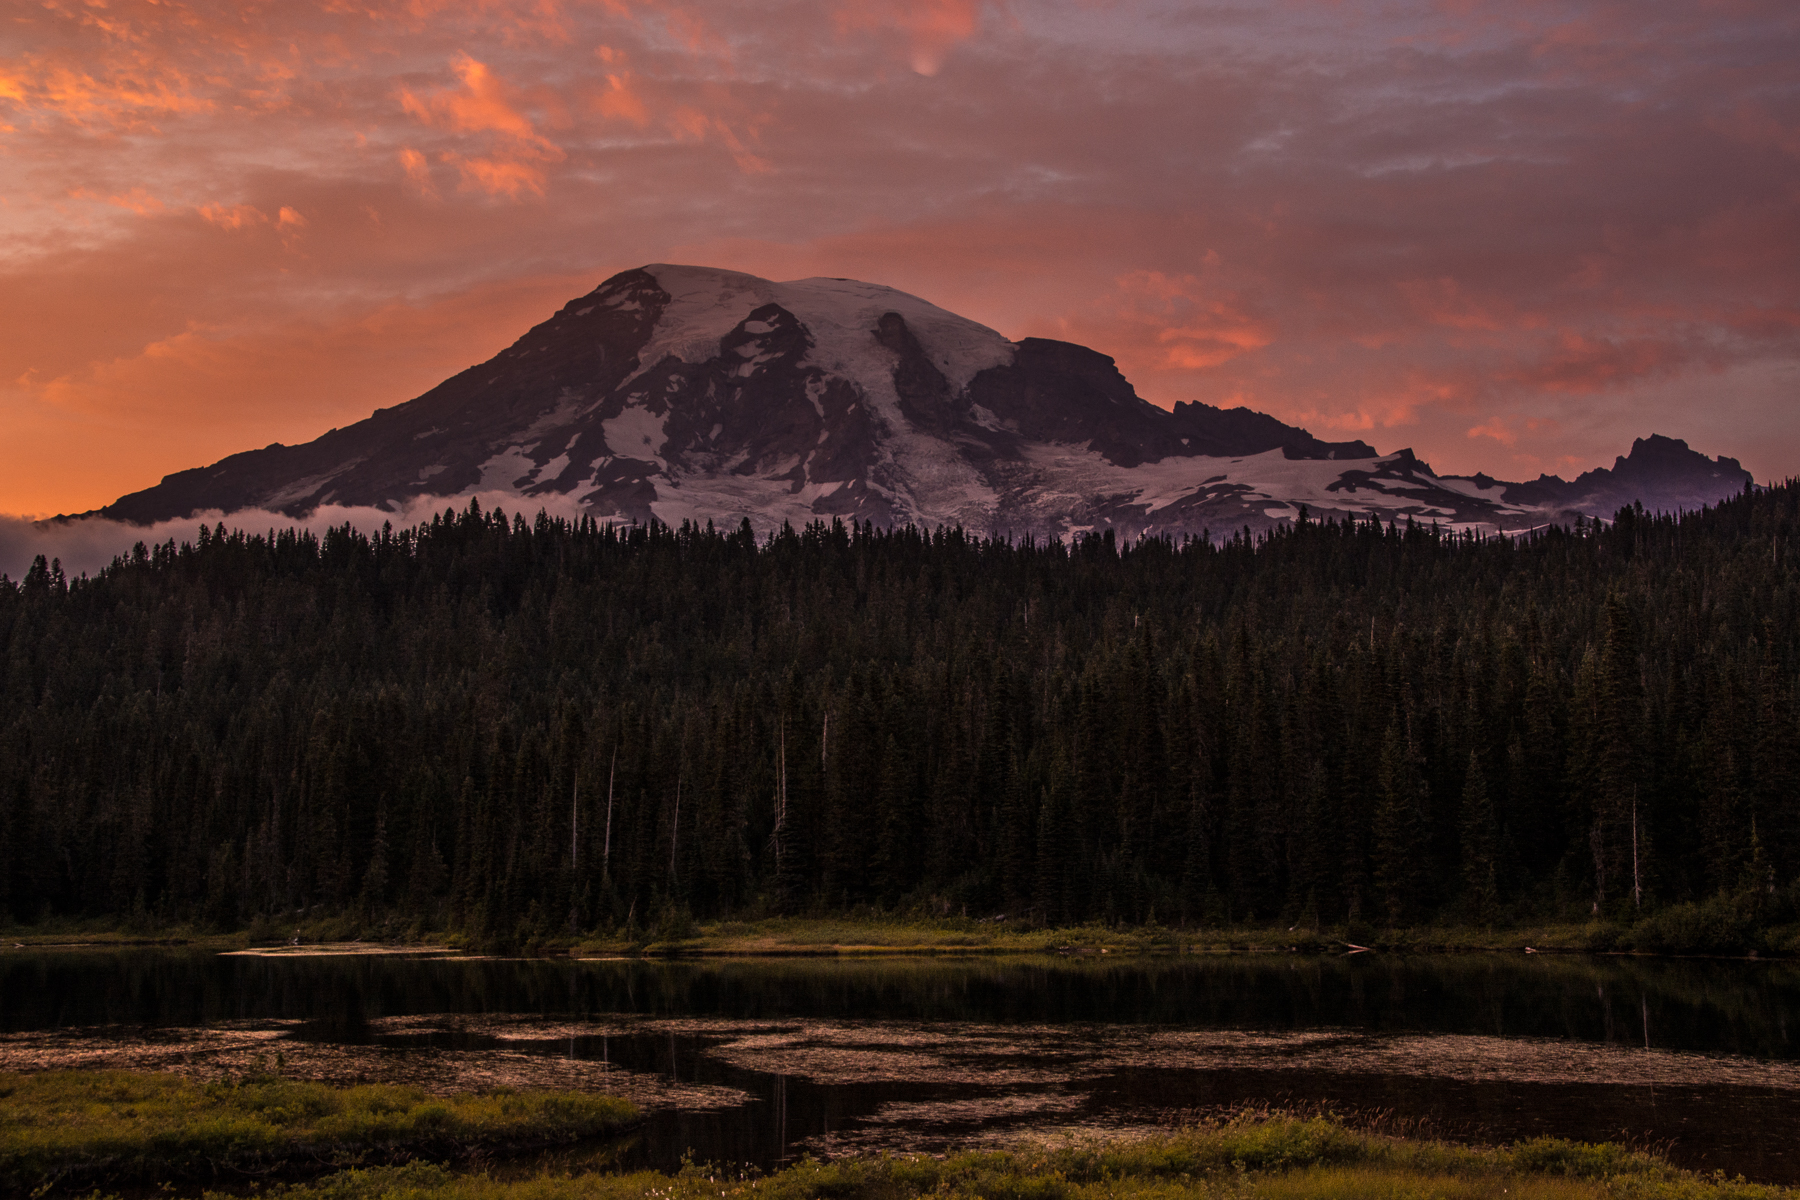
column 517, row 728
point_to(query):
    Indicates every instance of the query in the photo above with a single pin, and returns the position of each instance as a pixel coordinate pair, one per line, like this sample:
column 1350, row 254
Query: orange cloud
column 1419, row 389
column 288, row 224
column 129, row 93
column 1346, row 422
column 417, row 170
column 497, row 176
column 619, row 101
column 1425, row 215
column 1444, row 301
column 931, row 27
column 1583, row 364
column 1195, row 329
column 138, row 200
column 1507, row 431
column 1496, row 429
column 518, row 22
column 689, row 124
column 236, row 216
column 695, row 33
column 484, row 104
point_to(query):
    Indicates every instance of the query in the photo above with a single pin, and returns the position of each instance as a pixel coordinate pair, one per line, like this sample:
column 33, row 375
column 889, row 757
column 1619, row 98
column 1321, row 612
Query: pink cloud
column 235, row 216
column 516, row 159
column 131, row 93
column 930, row 27
column 618, row 98
column 482, row 104
column 417, row 169
column 1388, row 221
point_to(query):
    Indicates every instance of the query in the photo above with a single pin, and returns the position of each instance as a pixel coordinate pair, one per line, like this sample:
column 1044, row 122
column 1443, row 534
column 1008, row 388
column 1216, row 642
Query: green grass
column 909, row 935
column 1256, row 1158
column 1718, row 926
column 71, row 1128
column 878, row 935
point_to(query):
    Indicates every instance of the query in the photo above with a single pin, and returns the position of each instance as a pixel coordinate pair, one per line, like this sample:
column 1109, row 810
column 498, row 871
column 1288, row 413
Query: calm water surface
column 760, row 1061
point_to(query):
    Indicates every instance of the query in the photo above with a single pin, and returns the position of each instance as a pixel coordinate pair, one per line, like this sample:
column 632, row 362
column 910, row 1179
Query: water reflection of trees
column 1717, row 1006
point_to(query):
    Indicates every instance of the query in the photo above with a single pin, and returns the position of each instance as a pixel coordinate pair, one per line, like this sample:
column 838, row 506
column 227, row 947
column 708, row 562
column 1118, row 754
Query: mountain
column 679, row 392
column 1661, row 472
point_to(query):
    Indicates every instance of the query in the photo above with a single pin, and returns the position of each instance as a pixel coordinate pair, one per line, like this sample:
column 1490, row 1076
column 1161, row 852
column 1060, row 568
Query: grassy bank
column 78, row 1128
column 1686, row 929
column 1250, row 1159
column 1722, row 926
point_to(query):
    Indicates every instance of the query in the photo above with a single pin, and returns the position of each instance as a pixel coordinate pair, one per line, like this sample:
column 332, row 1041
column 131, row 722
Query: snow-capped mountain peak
column 680, row 392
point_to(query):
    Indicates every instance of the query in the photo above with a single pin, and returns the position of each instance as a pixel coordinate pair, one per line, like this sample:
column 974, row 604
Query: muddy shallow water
column 747, row 1061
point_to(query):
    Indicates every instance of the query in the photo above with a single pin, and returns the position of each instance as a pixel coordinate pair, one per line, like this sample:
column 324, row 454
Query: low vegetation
column 1726, row 925
column 1716, row 927
column 1258, row 1158
column 67, row 1129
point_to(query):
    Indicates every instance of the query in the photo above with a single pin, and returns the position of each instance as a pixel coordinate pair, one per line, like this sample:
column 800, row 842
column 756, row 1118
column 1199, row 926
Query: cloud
column 417, row 170
column 930, row 27
column 1581, row 364
column 131, row 92
column 482, row 104
column 1444, row 301
column 1196, row 325
column 1408, row 221
column 87, row 545
column 518, row 154
column 235, row 216
column 137, row 200
column 693, row 125
column 618, row 98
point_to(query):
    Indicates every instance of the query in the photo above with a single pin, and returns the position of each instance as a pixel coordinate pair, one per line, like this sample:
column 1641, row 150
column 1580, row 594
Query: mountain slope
column 676, row 392
column 1661, row 472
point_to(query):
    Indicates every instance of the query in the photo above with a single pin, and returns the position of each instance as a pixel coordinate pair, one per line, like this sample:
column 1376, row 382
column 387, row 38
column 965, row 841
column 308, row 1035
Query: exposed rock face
column 1660, row 472
column 690, row 393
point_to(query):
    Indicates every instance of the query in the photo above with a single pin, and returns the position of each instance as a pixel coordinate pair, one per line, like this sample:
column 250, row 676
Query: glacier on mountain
column 690, row 393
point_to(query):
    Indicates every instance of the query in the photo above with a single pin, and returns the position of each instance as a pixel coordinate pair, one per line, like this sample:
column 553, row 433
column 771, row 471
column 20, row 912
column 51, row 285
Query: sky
column 1511, row 235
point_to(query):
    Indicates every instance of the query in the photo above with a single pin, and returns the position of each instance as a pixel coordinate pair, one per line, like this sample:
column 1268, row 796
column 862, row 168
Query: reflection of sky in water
column 760, row 1061
column 835, row 1087
column 1719, row 1008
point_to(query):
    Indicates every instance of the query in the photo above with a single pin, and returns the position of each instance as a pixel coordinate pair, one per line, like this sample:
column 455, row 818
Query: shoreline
column 820, row 938
column 348, row 1150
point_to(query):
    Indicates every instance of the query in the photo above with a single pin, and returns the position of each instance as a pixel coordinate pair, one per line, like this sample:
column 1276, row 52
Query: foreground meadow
column 66, row 1132
column 68, row 1129
column 1259, row 1157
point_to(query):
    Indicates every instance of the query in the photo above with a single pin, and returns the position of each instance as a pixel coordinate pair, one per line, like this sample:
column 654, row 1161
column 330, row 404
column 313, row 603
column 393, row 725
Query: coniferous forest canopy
column 517, row 728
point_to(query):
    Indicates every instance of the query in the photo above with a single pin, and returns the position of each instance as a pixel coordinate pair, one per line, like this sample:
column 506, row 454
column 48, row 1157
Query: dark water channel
column 759, row 1061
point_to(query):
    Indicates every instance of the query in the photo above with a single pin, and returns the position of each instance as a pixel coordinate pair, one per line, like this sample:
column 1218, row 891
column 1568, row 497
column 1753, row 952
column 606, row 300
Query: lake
column 760, row 1061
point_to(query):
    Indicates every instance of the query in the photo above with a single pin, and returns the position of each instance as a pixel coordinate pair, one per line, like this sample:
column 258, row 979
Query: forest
column 515, row 728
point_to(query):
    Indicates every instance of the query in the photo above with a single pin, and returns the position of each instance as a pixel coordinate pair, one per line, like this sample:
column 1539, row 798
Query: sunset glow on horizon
column 1511, row 236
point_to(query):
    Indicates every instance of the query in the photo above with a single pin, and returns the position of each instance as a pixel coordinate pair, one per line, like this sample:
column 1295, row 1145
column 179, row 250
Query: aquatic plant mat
column 69, row 1129
column 767, row 1091
column 1260, row 1157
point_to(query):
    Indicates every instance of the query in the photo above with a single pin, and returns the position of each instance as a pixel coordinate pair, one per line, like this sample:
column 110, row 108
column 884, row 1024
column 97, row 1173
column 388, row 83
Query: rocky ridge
column 688, row 393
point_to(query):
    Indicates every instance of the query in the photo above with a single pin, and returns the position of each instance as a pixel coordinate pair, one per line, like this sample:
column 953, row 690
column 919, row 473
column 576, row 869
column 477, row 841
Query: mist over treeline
column 520, row 728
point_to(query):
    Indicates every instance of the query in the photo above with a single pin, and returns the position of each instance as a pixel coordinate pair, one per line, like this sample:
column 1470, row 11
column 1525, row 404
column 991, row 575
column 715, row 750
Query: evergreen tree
column 1480, row 888
column 1400, row 838
column 513, row 727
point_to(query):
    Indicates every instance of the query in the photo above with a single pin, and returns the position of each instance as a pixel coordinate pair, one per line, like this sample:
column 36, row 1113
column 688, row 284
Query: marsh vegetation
column 1259, row 1156
column 71, row 1129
